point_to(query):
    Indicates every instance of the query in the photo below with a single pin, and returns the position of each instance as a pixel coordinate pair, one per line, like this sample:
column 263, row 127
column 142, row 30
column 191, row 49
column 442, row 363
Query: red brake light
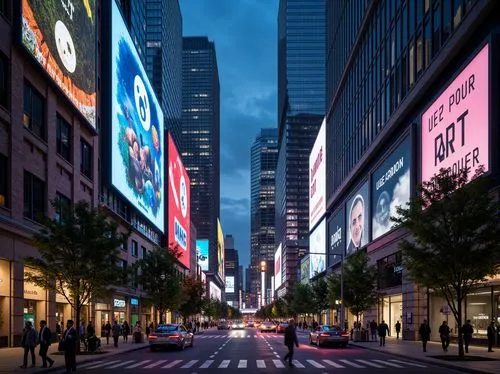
column 152, row 336
column 345, row 334
column 324, row 334
column 174, row 336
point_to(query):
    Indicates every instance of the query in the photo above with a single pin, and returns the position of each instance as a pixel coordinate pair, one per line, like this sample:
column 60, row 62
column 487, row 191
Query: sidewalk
column 12, row 358
column 413, row 350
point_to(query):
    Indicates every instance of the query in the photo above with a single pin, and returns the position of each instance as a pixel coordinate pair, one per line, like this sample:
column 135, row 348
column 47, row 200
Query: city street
column 252, row 351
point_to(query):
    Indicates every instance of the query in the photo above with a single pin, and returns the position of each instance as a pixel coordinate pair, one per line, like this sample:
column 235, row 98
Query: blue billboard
column 202, row 253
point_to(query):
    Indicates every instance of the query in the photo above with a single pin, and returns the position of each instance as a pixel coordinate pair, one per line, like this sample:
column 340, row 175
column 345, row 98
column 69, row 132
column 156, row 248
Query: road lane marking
column 278, row 364
column 389, row 363
column 90, row 364
column 154, row 364
column 135, row 365
column 334, row 364
column 172, row 364
column 120, row 364
column 408, row 363
column 298, row 364
column 206, row 364
column 104, row 364
column 371, row 364
column 224, row 364
column 354, row 365
column 315, row 364
column 261, row 364
column 242, row 364
column 189, row 364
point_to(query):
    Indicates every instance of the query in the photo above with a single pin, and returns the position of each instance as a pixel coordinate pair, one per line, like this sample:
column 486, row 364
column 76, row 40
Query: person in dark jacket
column 444, row 334
column 398, row 329
column 69, row 344
column 490, row 333
column 290, row 341
column 44, row 340
column 425, row 334
column 383, row 330
column 107, row 328
column 373, row 329
column 467, row 330
column 29, row 340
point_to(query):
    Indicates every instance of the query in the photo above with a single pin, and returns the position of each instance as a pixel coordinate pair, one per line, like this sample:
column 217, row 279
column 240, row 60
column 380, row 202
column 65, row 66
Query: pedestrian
column 107, row 329
column 125, row 331
column 290, row 341
column 425, row 334
column 383, row 330
column 147, row 331
column 29, row 340
column 467, row 330
column 398, row 329
column 490, row 333
column 68, row 343
column 444, row 333
column 44, row 341
column 116, row 333
column 373, row 329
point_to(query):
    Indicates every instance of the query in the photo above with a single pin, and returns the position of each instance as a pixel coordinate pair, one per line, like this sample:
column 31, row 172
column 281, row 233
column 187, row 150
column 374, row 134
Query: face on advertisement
column 357, row 220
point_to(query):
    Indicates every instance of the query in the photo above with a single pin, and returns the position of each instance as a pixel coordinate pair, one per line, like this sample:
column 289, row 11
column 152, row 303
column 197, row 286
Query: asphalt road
column 250, row 351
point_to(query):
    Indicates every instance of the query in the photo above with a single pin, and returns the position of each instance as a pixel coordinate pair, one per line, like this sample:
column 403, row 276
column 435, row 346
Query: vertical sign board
column 305, row 264
column 455, row 128
column 317, row 249
column 317, row 177
column 336, row 237
column 202, row 246
column 277, row 268
column 357, row 221
column 220, row 250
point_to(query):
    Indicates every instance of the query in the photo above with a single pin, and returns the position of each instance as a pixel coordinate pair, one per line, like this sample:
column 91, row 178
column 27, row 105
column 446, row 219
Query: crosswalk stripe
column 248, row 336
column 278, row 364
column 206, row 364
column 135, row 365
column 371, row 364
column 334, row 364
column 120, row 364
column 189, row 364
column 408, row 363
column 242, row 364
column 224, row 364
column 315, row 364
column 389, row 363
column 261, row 364
column 155, row 364
column 298, row 364
column 103, row 364
column 172, row 364
column 90, row 364
column 354, row 365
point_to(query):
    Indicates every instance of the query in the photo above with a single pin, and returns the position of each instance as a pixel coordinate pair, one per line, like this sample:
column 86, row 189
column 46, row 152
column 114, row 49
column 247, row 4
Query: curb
column 426, row 360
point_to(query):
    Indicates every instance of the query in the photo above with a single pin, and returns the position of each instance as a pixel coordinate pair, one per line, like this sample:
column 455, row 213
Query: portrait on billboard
column 52, row 32
column 391, row 188
column 336, row 237
column 202, row 254
column 317, row 249
column 357, row 220
column 137, row 128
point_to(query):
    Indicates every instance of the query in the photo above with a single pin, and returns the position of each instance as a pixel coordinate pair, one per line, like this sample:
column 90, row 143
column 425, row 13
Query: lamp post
column 342, row 312
column 263, row 266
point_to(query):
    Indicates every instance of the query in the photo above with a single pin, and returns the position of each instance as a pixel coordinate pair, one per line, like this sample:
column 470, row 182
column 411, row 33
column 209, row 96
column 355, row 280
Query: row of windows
column 134, row 249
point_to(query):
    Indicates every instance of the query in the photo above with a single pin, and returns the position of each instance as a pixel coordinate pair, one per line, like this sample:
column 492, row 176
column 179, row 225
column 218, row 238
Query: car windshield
column 284, row 324
column 268, row 323
column 330, row 328
column 166, row 328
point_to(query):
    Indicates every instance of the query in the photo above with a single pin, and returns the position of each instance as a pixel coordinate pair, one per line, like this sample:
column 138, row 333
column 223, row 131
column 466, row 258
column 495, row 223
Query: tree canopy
column 192, row 291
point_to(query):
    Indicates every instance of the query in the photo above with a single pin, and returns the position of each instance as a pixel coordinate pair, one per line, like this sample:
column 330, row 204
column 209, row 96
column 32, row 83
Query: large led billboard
column 390, row 188
column 179, row 203
column 220, row 250
column 202, row 246
column 305, row 263
column 137, row 135
column 229, row 284
column 455, row 127
column 277, row 268
column 317, row 249
column 61, row 35
column 336, row 237
column 214, row 292
column 317, row 178
column 357, row 221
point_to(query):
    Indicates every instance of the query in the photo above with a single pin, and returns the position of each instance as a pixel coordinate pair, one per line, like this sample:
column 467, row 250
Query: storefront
column 390, row 276
column 119, row 310
column 102, row 316
column 4, row 303
column 134, row 311
column 34, row 303
column 63, row 310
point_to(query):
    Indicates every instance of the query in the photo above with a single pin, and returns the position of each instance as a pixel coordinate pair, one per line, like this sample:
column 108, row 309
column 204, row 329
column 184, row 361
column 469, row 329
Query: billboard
column 455, row 128
column 179, row 203
column 214, row 291
column 317, row 249
column 317, row 177
column 202, row 253
column 336, row 237
column 357, row 221
column 390, row 188
column 305, row 263
column 277, row 268
column 229, row 284
column 220, row 250
column 136, row 128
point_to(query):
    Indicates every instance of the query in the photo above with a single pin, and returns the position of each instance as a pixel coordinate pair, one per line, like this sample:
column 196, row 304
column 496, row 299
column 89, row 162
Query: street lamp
column 263, row 266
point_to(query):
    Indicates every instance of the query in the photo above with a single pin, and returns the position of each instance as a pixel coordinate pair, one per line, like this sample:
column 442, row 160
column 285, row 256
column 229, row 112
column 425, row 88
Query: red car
column 281, row 327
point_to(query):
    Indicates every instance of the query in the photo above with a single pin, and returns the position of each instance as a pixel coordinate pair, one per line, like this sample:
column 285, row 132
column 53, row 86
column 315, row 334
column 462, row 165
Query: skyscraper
column 232, row 275
column 133, row 13
column 201, row 137
column 263, row 160
column 301, row 108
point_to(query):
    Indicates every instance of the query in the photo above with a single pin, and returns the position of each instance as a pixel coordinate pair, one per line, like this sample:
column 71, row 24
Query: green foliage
column 454, row 225
column 302, row 300
column 192, row 296
column 319, row 288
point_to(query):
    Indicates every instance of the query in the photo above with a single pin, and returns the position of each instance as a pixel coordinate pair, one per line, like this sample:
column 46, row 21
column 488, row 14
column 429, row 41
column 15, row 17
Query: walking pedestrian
column 373, row 329
column 398, row 329
column 425, row 334
column 29, row 340
column 290, row 341
column 125, row 331
column 383, row 330
column 490, row 333
column 116, row 333
column 467, row 330
column 444, row 333
column 107, row 328
column 44, row 341
column 69, row 346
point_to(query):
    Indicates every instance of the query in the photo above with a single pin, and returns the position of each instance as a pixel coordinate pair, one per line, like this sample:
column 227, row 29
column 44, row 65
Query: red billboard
column 179, row 204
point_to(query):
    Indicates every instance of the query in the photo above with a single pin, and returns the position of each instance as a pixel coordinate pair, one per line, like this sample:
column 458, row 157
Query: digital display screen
column 202, row 253
column 317, row 249
column 229, row 284
column 317, row 178
column 336, row 237
column 220, row 250
column 357, row 221
column 277, row 268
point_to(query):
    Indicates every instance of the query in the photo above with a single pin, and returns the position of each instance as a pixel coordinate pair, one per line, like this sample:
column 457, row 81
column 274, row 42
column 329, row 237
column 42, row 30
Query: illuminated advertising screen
column 179, row 203
column 455, row 127
column 229, row 284
column 214, row 291
column 61, row 35
column 136, row 128
column 305, row 264
column 202, row 253
column 317, row 249
column 220, row 250
column 390, row 188
column 336, row 237
column 357, row 221
column 317, row 178
column 277, row 268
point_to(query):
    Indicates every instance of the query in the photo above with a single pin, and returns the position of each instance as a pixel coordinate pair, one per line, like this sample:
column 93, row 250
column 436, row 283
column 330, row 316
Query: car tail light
column 153, row 337
column 345, row 334
column 174, row 336
column 324, row 334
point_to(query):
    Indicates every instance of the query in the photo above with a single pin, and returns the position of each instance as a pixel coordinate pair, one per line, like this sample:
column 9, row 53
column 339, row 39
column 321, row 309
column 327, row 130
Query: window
column 123, row 265
column 4, row 80
column 143, row 252
column 63, row 138
column 4, row 177
column 63, row 206
column 34, row 197
column 86, row 158
column 125, row 243
column 34, row 113
column 135, row 248
column 457, row 11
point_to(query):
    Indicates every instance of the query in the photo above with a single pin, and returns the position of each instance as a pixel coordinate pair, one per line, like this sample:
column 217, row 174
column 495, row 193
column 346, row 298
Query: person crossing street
column 290, row 341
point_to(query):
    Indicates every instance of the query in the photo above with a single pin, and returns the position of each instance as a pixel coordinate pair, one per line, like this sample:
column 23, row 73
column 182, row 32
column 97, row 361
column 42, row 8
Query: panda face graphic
column 183, row 196
column 65, row 46
column 142, row 103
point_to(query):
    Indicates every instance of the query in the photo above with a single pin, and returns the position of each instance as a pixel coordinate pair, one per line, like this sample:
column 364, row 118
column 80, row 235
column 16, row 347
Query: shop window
column 479, row 310
column 4, row 178
column 34, row 197
column 63, row 138
column 63, row 207
column 390, row 271
column 86, row 158
column 4, row 81
column 135, row 248
column 34, row 111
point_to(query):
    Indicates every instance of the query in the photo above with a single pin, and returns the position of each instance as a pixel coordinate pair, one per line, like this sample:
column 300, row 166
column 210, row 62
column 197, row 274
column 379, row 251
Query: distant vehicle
column 237, row 325
column 168, row 335
column 267, row 326
column 250, row 324
column 281, row 327
column 325, row 334
column 223, row 325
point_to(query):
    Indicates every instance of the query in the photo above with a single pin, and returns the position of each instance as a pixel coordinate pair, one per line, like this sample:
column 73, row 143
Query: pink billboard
column 455, row 127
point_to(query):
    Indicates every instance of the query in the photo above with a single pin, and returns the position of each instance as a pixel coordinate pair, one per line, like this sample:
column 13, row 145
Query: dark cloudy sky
column 245, row 36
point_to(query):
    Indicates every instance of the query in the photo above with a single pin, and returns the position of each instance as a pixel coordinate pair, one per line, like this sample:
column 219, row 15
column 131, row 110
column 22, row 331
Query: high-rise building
column 263, row 160
column 301, row 108
column 134, row 13
column 232, row 275
column 201, row 137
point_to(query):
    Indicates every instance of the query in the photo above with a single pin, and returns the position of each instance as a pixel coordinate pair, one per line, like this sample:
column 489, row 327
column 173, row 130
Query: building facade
column 232, row 273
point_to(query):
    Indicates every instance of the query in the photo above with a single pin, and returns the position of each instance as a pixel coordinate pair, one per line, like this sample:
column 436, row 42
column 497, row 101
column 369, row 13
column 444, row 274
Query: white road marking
column 408, row 363
column 135, row 365
column 389, row 363
column 347, row 362
column 242, row 364
column 278, row 364
column 298, row 364
column 261, row 364
column 103, row 364
column 172, row 364
column 224, row 364
column 315, row 364
column 120, row 364
column 335, row 365
column 189, row 364
column 206, row 364
column 154, row 364
column 371, row 364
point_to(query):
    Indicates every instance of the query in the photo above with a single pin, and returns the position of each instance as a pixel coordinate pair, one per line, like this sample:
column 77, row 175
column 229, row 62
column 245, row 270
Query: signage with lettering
column 317, row 178
column 134, row 301
column 317, row 250
column 336, row 237
column 119, row 303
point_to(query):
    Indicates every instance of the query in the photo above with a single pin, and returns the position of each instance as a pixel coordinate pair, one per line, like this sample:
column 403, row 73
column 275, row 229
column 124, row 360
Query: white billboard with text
column 317, row 178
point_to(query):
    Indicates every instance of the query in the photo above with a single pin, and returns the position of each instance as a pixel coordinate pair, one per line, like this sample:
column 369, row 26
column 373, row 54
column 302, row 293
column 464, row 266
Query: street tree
column 192, row 290
column 319, row 288
column 78, row 255
column 453, row 222
column 302, row 300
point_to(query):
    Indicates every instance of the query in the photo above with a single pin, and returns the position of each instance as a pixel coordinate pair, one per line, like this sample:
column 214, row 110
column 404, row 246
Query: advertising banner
column 357, row 220
column 317, row 178
column 202, row 253
column 214, row 291
column 455, row 128
column 390, row 188
column 61, row 35
column 317, row 249
column 179, row 203
column 137, row 128
column 229, row 284
column 277, row 268
column 336, row 237
column 305, row 264
column 220, row 250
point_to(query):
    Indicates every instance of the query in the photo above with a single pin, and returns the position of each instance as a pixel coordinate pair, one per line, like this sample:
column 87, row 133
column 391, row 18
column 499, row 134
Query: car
column 329, row 334
column 250, row 324
column 281, row 327
column 237, row 325
column 171, row 335
column 223, row 325
column 267, row 326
